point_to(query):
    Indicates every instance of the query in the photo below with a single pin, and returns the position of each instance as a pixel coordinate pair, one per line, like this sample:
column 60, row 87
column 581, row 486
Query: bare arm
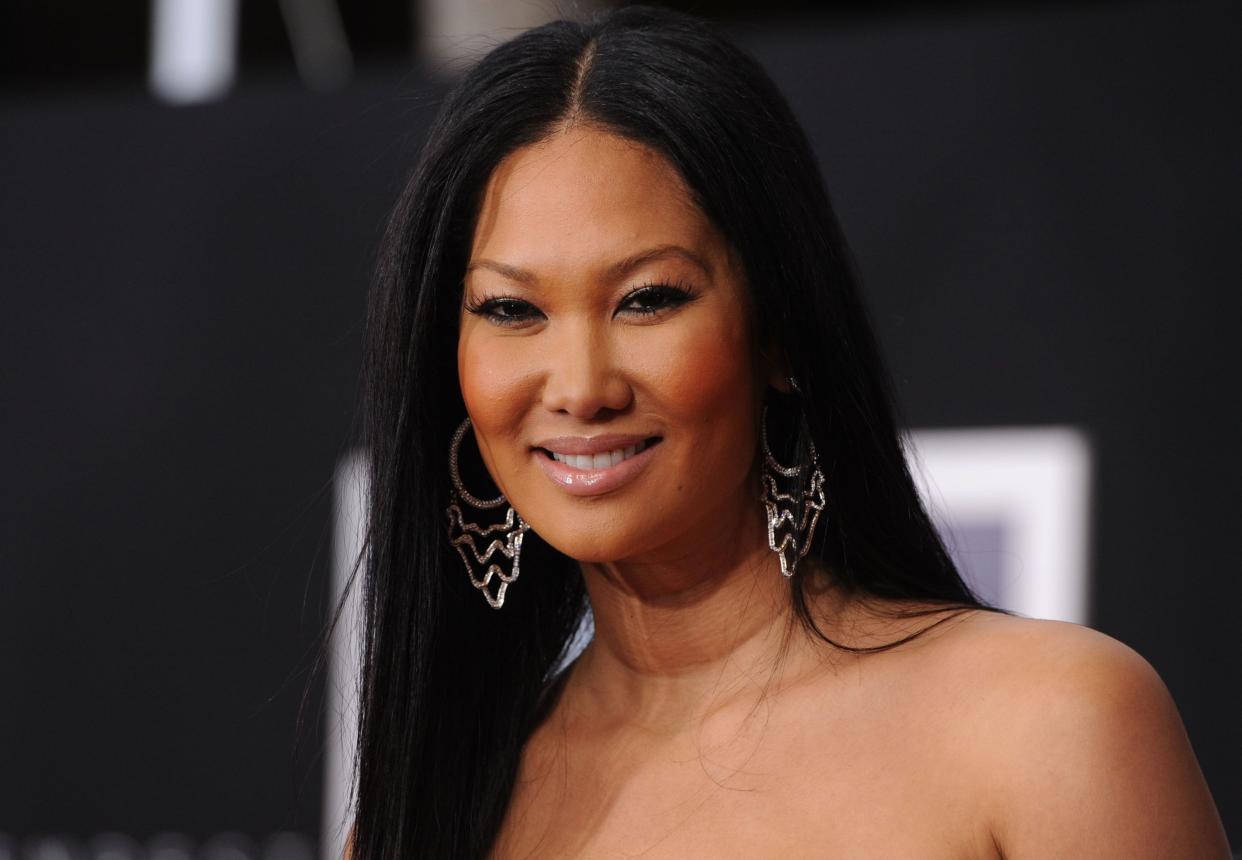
column 1098, row 763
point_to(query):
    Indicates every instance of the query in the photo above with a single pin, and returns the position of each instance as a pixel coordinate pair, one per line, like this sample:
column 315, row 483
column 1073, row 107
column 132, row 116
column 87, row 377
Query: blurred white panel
column 341, row 692
column 454, row 33
column 170, row 846
column 193, row 49
column 582, row 637
column 1014, row 506
column 115, row 846
column 228, row 846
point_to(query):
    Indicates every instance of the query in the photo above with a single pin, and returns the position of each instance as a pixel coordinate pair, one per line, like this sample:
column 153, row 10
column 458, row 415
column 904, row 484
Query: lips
column 593, row 466
column 601, row 460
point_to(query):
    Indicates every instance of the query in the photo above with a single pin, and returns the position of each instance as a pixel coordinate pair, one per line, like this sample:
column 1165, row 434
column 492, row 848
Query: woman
column 618, row 361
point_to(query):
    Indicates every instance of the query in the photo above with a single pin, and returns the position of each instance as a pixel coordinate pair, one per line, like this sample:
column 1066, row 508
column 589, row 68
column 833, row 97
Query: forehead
column 585, row 195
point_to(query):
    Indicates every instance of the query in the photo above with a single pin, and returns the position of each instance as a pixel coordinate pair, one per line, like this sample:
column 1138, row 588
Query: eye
column 504, row 311
column 651, row 299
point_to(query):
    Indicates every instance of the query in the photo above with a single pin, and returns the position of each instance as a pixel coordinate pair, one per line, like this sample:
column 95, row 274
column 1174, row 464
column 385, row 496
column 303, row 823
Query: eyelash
column 675, row 294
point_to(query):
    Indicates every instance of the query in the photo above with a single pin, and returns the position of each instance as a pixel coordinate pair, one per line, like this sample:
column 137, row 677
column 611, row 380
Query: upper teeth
column 599, row 461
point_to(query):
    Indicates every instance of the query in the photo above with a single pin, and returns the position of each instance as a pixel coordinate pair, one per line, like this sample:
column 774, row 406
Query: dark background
column 1043, row 202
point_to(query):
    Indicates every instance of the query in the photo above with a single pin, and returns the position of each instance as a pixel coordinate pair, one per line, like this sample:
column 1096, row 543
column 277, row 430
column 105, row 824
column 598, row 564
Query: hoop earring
column 461, row 533
column 795, row 514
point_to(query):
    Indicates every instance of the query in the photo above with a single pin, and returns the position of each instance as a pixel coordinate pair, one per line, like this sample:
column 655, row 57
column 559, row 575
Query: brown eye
column 653, row 298
column 504, row 311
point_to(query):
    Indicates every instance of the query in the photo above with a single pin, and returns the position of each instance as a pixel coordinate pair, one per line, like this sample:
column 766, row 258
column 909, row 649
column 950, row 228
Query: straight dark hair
column 451, row 689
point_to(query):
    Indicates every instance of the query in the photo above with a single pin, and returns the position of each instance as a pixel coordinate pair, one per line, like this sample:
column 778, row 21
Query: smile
column 599, row 461
column 594, row 466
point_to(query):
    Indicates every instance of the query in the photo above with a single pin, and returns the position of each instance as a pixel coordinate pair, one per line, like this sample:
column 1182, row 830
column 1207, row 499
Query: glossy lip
column 592, row 482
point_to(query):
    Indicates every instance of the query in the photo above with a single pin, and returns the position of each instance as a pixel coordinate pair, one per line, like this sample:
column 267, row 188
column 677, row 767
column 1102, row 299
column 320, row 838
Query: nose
column 583, row 375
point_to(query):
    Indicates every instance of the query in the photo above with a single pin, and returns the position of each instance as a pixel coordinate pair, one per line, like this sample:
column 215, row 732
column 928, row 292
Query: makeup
column 592, row 466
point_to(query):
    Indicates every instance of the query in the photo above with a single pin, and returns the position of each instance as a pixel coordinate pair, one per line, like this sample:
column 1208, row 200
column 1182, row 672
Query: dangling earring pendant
column 462, row 533
column 793, row 515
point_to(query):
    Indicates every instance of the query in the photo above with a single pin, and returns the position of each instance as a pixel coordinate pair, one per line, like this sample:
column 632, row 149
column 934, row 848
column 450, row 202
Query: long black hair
column 450, row 688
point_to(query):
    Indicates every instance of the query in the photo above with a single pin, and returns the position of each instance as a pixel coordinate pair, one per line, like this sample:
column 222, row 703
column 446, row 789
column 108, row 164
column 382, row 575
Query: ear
column 774, row 367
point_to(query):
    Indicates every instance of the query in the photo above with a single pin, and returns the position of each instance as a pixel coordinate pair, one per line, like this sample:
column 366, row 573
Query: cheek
column 704, row 382
column 495, row 378
column 710, row 370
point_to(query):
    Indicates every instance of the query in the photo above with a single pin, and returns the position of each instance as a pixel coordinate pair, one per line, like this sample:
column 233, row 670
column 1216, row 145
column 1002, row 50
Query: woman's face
column 605, row 352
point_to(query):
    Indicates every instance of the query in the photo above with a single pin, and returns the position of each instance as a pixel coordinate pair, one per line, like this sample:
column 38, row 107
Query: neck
column 680, row 634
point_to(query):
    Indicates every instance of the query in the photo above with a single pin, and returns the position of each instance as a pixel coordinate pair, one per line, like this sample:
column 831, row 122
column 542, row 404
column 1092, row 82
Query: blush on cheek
column 489, row 375
column 707, row 392
column 710, row 369
column 496, row 390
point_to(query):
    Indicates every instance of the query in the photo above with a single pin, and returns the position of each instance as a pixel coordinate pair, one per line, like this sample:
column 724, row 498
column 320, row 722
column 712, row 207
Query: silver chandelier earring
column 462, row 533
column 792, row 514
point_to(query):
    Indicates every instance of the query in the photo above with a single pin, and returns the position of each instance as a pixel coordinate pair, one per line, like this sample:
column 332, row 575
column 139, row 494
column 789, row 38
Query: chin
column 593, row 547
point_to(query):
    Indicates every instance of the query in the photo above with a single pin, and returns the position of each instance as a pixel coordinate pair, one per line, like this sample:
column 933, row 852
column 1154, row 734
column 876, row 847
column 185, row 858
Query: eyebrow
column 615, row 271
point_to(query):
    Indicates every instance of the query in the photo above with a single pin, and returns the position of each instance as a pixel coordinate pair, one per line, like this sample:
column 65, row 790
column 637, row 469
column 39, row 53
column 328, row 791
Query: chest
column 774, row 787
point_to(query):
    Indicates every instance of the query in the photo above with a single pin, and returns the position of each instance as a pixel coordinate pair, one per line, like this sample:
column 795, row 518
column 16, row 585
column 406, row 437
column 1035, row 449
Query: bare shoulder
column 1028, row 671
column 1080, row 743
column 1023, row 654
